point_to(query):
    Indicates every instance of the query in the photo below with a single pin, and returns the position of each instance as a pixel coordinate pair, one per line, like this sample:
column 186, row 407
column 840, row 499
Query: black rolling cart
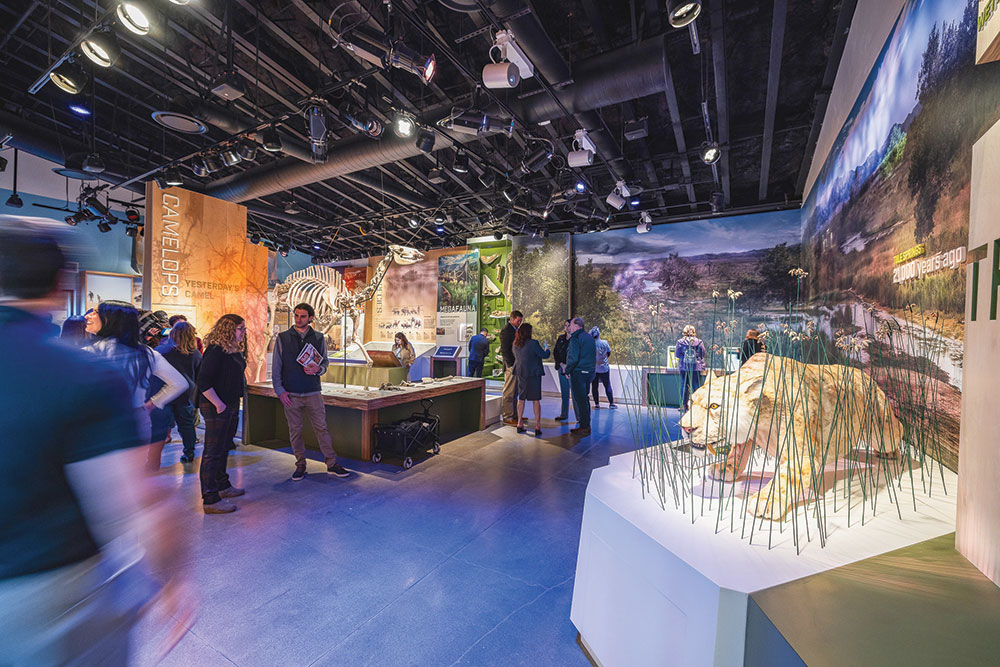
column 416, row 434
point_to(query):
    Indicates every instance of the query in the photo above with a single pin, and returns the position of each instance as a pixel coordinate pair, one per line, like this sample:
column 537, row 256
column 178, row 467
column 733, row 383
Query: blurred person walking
column 181, row 351
column 221, row 383
column 508, row 399
column 528, row 355
column 74, row 331
column 71, row 573
column 581, row 359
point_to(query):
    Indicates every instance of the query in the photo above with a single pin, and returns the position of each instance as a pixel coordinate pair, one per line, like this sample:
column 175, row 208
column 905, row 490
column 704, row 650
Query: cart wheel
column 437, row 448
column 407, row 463
column 376, row 457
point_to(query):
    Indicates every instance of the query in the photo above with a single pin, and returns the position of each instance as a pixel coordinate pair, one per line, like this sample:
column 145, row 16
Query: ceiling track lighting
column 212, row 163
column 96, row 206
column 403, row 57
column 461, row 164
column 404, row 124
column 382, row 51
column 476, row 122
column 101, row 47
column 270, row 139
column 509, row 63
column 132, row 18
column 498, row 234
column 488, row 178
column 414, row 222
column 104, row 227
column 509, row 193
column 316, row 123
column 132, row 214
column 70, row 76
column 131, row 231
column 710, row 152
column 615, row 200
column 682, row 12
column 172, row 177
column 717, row 200
column 425, row 140
column 229, row 156
column 94, row 164
column 246, row 149
column 363, row 121
column 79, row 109
column 536, row 160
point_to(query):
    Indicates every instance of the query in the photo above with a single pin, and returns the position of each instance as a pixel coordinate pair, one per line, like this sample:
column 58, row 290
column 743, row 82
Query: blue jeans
column 163, row 419
column 580, row 386
column 564, row 390
column 690, row 382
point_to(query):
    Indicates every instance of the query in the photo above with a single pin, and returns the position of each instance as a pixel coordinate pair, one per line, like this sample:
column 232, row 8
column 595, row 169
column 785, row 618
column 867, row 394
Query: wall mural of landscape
column 885, row 226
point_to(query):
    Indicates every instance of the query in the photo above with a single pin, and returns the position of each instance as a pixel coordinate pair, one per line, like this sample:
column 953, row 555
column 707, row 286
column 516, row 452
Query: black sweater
column 223, row 373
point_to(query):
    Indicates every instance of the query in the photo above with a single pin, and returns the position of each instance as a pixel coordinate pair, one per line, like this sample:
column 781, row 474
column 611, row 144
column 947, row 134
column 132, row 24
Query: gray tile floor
column 467, row 558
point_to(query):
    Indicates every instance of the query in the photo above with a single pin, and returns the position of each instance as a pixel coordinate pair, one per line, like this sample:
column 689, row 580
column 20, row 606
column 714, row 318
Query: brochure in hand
column 309, row 355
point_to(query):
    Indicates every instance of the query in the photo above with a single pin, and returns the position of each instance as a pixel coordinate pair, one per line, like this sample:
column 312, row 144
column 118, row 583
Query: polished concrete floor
column 466, row 559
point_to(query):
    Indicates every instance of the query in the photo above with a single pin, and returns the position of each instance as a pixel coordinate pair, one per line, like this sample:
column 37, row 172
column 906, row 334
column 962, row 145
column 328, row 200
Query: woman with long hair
column 690, row 353
column 221, row 384
column 528, row 355
column 115, row 326
column 181, row 351
column 403, row 350
column 74, row 331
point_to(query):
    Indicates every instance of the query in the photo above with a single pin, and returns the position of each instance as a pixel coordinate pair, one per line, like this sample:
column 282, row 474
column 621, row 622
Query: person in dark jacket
column 751, row 346
column 508, row 400
column 479, row 347
column 181, row 351
column 602, row 370
column 528, row 355
column 297, row 385
column 690, row 353
column 221, row 384
column 559, row 356
column 581, row 359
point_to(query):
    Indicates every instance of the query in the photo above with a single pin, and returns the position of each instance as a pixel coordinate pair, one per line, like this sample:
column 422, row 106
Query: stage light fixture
column 403, row 57
column 246, row 149
column 461, row 164
column 615, row 200
column 425, row 140
column 488, row 178
column 133, row 18
column 501, row 75
column 717, row 200
column 94, row 164
column 316, row 121
column 509, row 193
column 96, row 206
column 160, row 181
column 198, row 169
column 682, row 12
column 229, row 156
column 583, row 158
column 131, row 231
column 440, row 229
column 70, row 77
column 362, row 121
column 498, row 234
column 292, row 207
column 635, row 203
column 102, row 48
column 103, row 227
column 212, row 163
column 439, row 217
column 270, row 139
column 580, row 187
column 404, row 124
column 255, row 238
column 283, row 250
column 413, row 221
column 132, row 214
column 172, row 177
column 710, row 152
column 72, row 220
column 536, row 160
column 14, row 201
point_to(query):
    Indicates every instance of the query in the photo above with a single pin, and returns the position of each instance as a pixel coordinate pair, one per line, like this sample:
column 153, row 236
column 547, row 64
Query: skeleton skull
column 404, row 255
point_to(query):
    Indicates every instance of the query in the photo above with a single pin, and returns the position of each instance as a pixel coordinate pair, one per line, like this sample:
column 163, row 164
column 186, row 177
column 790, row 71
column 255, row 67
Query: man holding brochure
column 298, row 363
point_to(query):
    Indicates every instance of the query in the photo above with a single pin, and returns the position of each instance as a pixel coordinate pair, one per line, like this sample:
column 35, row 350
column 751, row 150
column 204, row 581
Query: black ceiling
column 764, row 70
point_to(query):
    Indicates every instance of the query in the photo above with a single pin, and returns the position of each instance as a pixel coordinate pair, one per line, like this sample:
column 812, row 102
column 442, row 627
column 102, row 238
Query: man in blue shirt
column 581, row 359
column 479, row 347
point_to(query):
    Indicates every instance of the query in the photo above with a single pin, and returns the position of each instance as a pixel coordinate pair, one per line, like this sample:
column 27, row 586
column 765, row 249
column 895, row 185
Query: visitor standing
column 221, row 384
column 174, row 319
column 295, row 376
column 181, row 351
column 479, row 347
column 690, row 353
column 74, row 331
column 581, row 358
column 751, row 346
column 508, row 399
column 559, row 356
column 602, row 369
column 67, row 486
column 528, row 355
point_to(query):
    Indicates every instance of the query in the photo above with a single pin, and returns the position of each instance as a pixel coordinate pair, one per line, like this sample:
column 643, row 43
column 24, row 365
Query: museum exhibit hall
column 621, row 333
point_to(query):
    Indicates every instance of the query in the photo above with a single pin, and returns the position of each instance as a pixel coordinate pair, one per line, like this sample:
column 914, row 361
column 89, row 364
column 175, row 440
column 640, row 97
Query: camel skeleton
column 323, row 288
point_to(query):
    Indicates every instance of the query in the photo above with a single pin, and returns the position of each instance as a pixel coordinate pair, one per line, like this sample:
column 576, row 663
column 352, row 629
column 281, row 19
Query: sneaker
column 562, row 418
column 521, row 429
column 300, row 472
column 510, row 422
column 232, row 492
column 187, row 459
column 221, row 507
column 538, row 432
column 597, row 406
column 337, row 470
column 613, row 406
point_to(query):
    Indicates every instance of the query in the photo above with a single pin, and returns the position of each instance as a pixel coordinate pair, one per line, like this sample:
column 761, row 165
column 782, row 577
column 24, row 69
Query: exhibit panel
column 494, row 304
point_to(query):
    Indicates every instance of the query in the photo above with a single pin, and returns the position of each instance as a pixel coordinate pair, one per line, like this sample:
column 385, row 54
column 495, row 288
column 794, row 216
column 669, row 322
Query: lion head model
column 724, row 411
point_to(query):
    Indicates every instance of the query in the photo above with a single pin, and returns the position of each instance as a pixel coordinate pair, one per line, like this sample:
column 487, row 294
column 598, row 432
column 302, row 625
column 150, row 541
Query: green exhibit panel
column 352, row 413
column 663, row 387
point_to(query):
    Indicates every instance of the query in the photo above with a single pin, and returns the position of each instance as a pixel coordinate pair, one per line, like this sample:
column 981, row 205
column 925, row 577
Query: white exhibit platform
column 654, row 587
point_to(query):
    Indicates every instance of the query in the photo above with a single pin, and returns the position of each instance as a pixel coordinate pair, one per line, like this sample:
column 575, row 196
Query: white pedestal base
column 653, row 588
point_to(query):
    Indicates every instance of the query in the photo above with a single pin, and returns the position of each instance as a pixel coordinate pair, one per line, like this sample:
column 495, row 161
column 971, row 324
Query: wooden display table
column 351, row 413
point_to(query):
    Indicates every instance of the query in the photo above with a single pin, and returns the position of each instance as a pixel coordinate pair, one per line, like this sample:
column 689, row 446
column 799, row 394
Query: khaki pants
column 313, row 408
column 509, row 396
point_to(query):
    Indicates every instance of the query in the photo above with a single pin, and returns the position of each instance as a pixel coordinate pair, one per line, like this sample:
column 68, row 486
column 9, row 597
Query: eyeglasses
column 241, row 328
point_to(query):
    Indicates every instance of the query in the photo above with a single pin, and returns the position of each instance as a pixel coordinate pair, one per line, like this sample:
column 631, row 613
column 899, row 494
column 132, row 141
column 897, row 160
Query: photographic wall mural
column 541, row 282
column 885, row 226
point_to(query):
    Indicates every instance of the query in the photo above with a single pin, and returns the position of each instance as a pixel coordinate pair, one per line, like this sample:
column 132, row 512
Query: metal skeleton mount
column 322, row 287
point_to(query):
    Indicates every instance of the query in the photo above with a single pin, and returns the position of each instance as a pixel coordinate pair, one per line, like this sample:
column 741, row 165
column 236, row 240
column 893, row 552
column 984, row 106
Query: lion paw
column 766, row 505
column 722, row 473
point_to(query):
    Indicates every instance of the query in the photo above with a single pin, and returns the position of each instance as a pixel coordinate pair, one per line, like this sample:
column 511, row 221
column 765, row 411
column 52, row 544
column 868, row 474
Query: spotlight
column 414, row 222
column 72, row 220
column 270, row 139
column 545, row 232
column 404, row 124
column 501, row 75
column 133, row 18
column 710, row 152
column 103, row 227
column 509, row 193
column 488, row 178
column 473, row 121
column 498, row 234
column 623, row 189
column 132, row 231
column 403, row 57
column 132, row 214
column 461, row 164
column 316, row 119
column 180, row 2
column 439, row 217
column 79, row 109
column 246, row 149
column 425, row 140
column 95, row 206
column 229, row 156
column 498, row 124
column 93, row 164
column 283, row 250
column 440, row 229
column 362, row 121
column 635, row 203
column 514, row 63
column 582, row 158
column 102, row 48
column 160, row 181
column 717, row 201
column 212, row 163
column 580, row 187
column 14, row 201
column 616, row 200
column 255, row 238
column 198, row 169
column 172, row 177
column 643, row 227
column 682, row 12
column 70, row 77
column 536, row 160
column 292, row 208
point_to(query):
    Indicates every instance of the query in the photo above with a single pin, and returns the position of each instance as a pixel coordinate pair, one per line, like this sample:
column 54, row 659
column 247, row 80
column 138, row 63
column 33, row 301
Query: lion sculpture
column 803, row 415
